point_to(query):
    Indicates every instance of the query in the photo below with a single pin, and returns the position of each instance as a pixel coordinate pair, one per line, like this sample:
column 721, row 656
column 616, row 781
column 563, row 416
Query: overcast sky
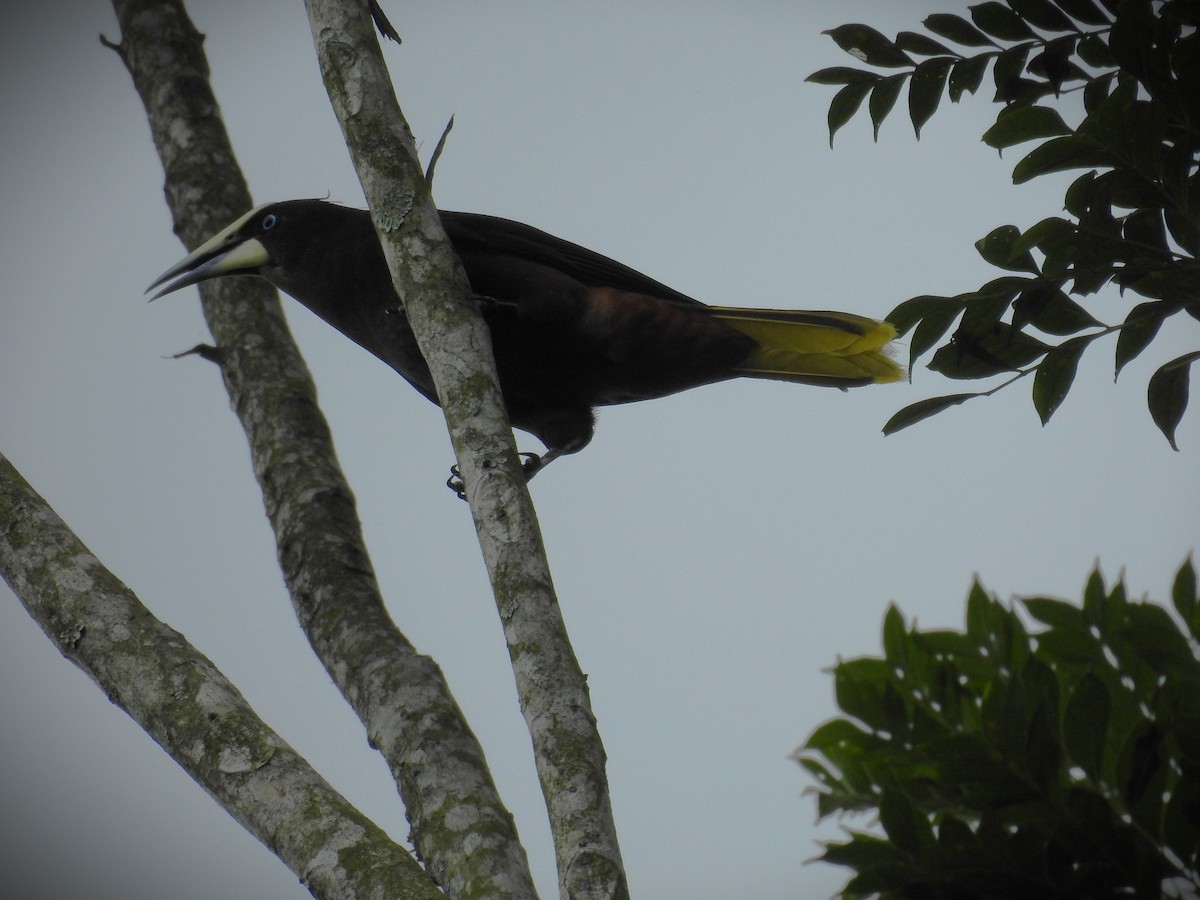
column 714, row 552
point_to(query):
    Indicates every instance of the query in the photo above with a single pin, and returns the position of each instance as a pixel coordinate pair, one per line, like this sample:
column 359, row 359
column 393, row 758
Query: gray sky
column 714, row 552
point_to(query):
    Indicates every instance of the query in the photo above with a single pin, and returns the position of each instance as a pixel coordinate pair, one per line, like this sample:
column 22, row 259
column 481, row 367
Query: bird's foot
column 455, row 482
column 531, row 466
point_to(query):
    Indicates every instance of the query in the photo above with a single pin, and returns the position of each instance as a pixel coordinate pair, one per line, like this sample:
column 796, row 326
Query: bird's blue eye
column 269, row 221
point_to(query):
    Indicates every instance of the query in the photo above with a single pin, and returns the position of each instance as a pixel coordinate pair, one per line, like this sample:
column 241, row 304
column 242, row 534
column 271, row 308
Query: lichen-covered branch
column 399, row 694
column 452, row 336
column 192, row 711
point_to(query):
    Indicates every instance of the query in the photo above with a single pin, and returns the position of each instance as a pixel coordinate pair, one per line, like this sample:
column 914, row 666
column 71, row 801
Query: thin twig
column 437, row 153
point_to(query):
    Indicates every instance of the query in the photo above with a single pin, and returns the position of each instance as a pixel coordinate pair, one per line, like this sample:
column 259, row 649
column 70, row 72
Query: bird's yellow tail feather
column 826, row 348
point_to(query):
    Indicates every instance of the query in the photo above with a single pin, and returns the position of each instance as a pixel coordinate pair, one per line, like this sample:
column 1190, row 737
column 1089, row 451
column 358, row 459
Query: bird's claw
column 455, row 483
column 531, row 466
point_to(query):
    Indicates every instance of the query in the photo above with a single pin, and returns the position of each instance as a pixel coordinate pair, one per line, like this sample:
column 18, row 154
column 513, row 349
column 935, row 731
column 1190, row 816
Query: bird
column 571, row 329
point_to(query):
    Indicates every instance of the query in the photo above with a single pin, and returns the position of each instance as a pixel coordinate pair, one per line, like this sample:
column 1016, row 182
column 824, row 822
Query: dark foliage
column 1062, row 762
column 1129, row 72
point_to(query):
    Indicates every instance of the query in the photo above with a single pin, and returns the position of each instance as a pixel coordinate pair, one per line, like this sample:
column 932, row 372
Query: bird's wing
column 471, row 231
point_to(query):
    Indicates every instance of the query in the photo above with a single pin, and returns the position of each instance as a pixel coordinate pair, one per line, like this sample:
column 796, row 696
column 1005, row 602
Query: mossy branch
column 456, row 343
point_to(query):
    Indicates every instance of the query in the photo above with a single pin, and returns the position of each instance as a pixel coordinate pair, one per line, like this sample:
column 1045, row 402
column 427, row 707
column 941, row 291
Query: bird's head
column 269, row 240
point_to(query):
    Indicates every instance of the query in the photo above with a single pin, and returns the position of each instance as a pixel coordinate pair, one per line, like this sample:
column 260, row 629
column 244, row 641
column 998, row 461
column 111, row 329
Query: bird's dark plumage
column 571, row 329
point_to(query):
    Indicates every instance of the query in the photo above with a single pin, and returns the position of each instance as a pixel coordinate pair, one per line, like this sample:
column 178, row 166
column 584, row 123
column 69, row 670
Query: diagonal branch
column 456, row 344
column 192, row 711
column 400, row 695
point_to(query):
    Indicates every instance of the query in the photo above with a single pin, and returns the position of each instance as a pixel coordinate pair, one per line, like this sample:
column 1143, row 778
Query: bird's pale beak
column 226, row 253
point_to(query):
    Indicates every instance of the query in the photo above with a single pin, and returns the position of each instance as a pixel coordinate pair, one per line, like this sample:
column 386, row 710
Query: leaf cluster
column 1063, row 762
column 1132, row 216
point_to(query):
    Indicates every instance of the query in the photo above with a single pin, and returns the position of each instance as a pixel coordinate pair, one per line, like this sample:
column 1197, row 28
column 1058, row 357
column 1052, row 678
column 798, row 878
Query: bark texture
column 192, row 711
column 460, row 828
column 455, row 342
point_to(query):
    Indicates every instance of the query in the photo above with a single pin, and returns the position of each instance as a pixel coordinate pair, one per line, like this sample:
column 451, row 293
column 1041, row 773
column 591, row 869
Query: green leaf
column 1139, row 329
column 1090, row 277
column 1042, row 752
column 1043, row 14
column 1145, row 228
column 1094, row 795
column 1179, row 821
column 936, row 314
column 998, row 248
column 820, row 773
column 1101, row 828
column 982, row 314
column 955, row 836
column 866, row 44
column 1096, row 92
column 1083, row 11
column 841, row 75
column 1173, row 283
column 1140, row 48
column 1154, row 636
column 913, row 310
column 1094, row 51
column 1000, row 22
column 883, row 98
column 1082, row 195
column 1007, row 71
column 1178, row 704
column 952, row 646
column 957, row 29
column 966, row 76
column 931, row 330
column 845, row 104
column 979, row 613
column 1048, row 308
column 1059, row 240
column 895, row 713
column 1057, row 64
column 973, row 775
column 921, row 45
column 1184, row 596
column 1085, row 724
column 1095, row 598
column 858, row 685
column 1140, row 760
column 906, row 826
column 1055, row 613
column 925, row 91
column 835, row 733
column 1167, row 395
column 1183, row 230
column 1105, row 609
column 850, row 788
column 1003, row 349
column 1060, row 154
column 1074, row 647
column 1019, row 91
column 1017, row 124
column 1133, row 132
column 863, row 852
column 1125, row 189
column 923, row 409
column 1055, row 375
column 895, row 636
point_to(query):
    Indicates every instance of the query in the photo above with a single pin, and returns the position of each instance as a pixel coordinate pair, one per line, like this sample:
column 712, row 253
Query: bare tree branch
column 192, row 711
column 437, row 153
column 456, row 344
column 400, row 695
